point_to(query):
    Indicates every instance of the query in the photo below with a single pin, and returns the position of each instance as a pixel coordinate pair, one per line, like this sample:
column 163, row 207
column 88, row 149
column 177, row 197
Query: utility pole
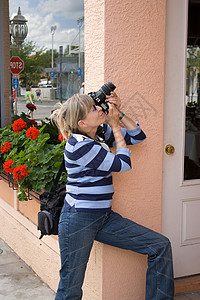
column 80, row 24
column 53, row 29
column 60, row 77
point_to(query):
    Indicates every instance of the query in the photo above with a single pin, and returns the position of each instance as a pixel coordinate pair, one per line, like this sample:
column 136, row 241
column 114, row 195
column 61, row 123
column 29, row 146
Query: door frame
column 174, row 121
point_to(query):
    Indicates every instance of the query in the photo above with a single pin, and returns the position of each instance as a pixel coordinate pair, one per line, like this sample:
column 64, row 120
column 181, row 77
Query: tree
column 35, row 60
column 193, row 68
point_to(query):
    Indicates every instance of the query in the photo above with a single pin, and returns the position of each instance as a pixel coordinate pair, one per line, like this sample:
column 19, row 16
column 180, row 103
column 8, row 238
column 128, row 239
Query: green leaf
column 22, row 196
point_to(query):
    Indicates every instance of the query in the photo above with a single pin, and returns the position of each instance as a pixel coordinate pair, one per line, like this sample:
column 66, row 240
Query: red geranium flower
column 7, row 166
column 20, row 172
column 31, row 106
column 18, row 125
column 32, row 133
column 32, row 122
column 61, row 137
column 5, row 147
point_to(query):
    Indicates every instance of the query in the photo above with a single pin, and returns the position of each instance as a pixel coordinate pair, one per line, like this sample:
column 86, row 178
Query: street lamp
column 53, row 29
column 19, row 31
column 19, row 28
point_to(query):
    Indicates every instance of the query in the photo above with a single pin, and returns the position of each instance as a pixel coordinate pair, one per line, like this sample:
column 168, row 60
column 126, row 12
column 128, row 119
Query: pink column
column 124, row 43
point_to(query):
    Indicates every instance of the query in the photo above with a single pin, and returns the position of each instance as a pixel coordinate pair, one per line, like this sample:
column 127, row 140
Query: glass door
column 192, row 100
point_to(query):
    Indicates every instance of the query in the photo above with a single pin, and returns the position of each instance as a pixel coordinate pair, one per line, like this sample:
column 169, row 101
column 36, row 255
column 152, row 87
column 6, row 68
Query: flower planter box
column 7, row 194
column 8, row 188
column 29, row 209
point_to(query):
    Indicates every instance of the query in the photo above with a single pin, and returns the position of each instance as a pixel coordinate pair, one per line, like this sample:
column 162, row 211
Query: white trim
column 190, row 182
column 184, row 70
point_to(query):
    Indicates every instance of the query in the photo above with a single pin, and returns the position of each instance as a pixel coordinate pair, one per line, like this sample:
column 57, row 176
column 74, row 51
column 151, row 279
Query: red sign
column 16, row 65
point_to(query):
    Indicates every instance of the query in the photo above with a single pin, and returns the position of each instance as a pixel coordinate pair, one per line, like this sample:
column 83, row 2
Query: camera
column 99, row 97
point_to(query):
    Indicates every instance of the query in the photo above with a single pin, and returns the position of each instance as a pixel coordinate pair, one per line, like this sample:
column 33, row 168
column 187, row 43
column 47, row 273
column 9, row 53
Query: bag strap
column 55, row 182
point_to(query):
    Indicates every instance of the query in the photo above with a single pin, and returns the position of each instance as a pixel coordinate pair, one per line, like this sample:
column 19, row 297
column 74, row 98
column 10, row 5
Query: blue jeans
column 77, row 232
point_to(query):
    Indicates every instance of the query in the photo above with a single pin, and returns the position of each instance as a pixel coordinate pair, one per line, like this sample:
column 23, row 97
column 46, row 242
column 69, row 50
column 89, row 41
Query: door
column 181, row 193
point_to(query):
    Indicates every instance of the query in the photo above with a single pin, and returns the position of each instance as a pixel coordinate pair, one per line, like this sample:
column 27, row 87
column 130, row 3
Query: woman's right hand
column 112, row 118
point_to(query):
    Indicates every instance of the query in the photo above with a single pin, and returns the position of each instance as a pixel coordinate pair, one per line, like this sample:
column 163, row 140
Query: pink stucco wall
column 125, row 44
column 134, row 61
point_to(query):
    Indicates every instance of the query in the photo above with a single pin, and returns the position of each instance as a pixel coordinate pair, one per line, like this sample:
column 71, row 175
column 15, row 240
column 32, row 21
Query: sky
column 43, row 14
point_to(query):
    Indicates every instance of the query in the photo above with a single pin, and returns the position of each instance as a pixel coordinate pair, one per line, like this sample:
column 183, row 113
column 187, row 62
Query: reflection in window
column 192, row 122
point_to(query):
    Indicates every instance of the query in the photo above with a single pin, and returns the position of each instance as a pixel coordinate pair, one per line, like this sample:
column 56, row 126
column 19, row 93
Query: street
column 43, row 111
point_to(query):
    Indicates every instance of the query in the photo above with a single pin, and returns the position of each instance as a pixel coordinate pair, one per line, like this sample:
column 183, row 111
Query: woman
column 87, row 215
column 29, row 99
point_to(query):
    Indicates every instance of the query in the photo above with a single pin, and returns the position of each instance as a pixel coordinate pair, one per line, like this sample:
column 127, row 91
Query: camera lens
column 108, row 87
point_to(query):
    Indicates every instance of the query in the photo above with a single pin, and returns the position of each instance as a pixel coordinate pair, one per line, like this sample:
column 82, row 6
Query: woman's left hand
column 114, row 99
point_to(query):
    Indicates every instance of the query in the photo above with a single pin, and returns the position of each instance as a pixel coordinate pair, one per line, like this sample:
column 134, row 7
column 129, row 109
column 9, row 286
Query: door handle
column 169, row 149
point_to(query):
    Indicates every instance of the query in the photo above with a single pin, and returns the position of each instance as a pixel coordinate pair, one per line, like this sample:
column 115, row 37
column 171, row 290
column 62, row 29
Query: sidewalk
column 17, row 280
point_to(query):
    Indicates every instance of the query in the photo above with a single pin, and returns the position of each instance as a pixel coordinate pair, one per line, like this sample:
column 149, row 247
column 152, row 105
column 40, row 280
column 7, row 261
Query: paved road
column 43, row 111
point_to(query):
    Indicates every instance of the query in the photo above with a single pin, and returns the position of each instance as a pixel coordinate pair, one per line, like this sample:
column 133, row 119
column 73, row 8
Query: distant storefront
column 67, row 75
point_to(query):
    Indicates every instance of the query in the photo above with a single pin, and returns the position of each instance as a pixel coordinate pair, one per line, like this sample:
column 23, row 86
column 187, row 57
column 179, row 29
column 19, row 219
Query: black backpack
column 51, row 204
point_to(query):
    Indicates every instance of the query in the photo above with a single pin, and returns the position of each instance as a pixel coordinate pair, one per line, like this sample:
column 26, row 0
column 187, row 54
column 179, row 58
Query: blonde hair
column 70, row 112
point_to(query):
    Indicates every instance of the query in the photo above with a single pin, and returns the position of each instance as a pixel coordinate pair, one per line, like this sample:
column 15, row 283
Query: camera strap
column 56, row 180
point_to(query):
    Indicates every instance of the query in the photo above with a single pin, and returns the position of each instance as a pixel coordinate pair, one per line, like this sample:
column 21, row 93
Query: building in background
column 68, row 75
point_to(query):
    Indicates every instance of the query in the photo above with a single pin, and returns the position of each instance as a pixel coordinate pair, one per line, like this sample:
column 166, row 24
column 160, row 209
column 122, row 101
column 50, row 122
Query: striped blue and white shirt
column 90, row 164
